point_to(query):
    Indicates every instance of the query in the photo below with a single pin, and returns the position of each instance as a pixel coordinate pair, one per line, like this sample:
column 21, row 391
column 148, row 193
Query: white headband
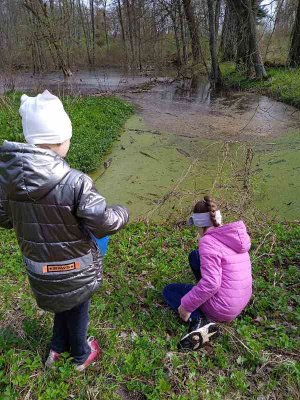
column 203, row 220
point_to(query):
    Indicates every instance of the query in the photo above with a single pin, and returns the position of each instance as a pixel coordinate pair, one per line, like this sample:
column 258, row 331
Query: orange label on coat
column 61, row 268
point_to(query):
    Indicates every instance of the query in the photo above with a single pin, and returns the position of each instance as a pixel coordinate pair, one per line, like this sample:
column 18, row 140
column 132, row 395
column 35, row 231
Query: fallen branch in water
column 148, row 155
column 144, row 131
column 183, row 152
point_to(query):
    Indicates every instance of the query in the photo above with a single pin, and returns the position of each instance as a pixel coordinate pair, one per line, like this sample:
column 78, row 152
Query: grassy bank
column 96, row 125
column 255, row 356
column 283, row 83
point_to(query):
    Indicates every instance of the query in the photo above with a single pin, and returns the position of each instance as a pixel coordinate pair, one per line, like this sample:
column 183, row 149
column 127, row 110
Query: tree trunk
column 61, row 60
column 228, row 37
column 35, row 46
column 215, row 73
column 248, row 57
column 193, row 29
column 176, row 34
column 85, row 34
column 121, row 21
column 217, row 16
column 138, row 18
column 135, row 10
column 105, row 26
column 239, row 10
column 182, row 33
column 294, row 54
column 172, row 10
column 255, row 56
column 93, row 30
column 129, row 23
column 122, row 30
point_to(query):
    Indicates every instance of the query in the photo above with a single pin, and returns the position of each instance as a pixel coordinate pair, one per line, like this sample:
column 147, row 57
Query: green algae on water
column 159, row 175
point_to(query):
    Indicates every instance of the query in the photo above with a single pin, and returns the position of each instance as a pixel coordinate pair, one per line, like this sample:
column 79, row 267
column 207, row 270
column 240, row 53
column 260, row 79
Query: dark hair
column 207, row 205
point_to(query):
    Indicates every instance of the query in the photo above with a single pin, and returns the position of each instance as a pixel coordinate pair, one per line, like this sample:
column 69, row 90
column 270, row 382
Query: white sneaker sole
column 201, row 336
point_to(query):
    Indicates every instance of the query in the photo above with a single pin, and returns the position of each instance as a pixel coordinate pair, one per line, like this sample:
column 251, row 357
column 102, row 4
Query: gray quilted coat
column 53, row 209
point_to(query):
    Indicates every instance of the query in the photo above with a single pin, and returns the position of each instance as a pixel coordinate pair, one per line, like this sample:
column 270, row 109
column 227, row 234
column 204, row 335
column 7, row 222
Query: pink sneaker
column 52, row 357
column 93, row 357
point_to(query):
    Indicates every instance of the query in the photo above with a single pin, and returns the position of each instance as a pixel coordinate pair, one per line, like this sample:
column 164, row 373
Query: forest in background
column 148, row 35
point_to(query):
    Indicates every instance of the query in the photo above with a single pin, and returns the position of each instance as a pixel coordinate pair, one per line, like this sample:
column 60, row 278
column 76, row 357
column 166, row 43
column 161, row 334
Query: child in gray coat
column 54, row 209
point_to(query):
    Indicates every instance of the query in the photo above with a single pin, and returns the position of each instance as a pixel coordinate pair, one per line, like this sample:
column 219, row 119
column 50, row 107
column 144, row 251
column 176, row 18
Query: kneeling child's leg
column 174, row 292
column 194, row 261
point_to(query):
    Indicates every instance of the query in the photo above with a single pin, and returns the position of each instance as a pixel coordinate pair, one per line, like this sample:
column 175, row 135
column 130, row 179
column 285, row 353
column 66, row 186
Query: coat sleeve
column 5, row 220
column 93, row 212
column 209, row 284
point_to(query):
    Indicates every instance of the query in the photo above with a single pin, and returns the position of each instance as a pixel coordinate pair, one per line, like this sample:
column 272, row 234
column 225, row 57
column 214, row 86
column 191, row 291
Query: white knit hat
column 44, row 119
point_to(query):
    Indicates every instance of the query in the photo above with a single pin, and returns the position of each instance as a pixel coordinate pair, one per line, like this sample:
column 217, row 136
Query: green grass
column 96, row 122
column 255, row 356
column 282, row 83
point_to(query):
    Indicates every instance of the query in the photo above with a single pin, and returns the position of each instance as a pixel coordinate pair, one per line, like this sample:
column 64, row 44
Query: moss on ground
column 97, row 122
column 282, row 83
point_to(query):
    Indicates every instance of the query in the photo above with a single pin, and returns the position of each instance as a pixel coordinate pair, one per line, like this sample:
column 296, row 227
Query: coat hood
column 27, row 171
column 233, row 235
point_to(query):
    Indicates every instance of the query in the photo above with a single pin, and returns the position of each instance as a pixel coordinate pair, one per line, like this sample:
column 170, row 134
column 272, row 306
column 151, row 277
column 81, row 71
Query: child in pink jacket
column 222, row 268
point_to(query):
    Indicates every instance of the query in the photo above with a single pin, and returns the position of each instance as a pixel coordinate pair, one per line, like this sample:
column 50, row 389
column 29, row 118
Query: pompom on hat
column 44, row 119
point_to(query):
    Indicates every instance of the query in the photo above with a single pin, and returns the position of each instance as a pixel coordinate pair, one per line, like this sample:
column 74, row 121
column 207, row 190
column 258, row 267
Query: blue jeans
column 174, row 292
column 70, row 332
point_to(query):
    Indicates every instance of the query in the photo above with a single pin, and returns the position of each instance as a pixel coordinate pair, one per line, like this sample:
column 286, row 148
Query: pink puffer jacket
column 225, row 286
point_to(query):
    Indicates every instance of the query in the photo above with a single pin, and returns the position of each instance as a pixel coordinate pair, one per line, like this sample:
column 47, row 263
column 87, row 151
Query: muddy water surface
column 94, row 81
column 227, row 115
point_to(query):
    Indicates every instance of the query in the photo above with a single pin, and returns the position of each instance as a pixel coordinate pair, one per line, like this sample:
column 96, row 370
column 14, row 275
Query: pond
column 182, row 144
column 185, row 141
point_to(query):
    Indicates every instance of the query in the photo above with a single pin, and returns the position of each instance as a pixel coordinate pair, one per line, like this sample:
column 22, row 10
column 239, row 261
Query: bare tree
column 120, row 15
column 85, row 24
column 141, row 34
column 254, row 51
column 213, row 16
column 193, row 29
column 182, row 32
column 171, row 8
column 294, row 53
column 228, row 45
column 40, row 11
column 105, row 24
column 36, row 48
column 92, row 10
column 130, row 31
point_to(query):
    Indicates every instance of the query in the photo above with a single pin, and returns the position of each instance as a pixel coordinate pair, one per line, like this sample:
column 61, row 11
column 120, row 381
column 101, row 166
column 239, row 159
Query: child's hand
column 185, row 315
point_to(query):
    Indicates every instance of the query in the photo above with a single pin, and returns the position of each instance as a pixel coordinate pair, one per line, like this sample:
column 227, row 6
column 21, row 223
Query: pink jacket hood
column 233, row 235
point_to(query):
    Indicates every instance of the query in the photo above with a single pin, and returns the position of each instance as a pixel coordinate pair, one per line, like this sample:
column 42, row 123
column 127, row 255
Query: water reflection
column 99, row 80
column 193, row 108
